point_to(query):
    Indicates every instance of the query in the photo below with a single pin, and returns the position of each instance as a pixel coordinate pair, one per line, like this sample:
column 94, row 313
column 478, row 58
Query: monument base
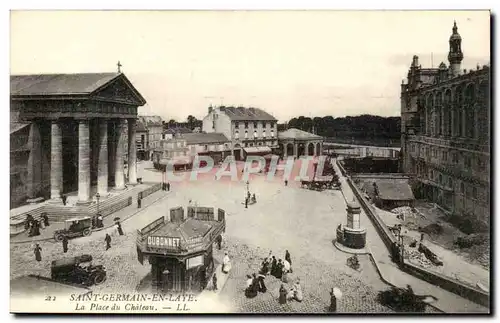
column 351, row 238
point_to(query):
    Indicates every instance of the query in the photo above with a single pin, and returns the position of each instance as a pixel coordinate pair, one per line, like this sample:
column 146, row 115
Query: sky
column 289, row 63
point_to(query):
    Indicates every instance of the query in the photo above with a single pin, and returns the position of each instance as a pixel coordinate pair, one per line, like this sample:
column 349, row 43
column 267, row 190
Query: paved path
column 447, row 301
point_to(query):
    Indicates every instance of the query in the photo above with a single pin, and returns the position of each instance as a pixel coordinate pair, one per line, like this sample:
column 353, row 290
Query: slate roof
column 56, row 84
column 293, row 133
column 177, row 130
column 151, row 120
column 197, row 138
column 64, row 84
column 247, row 114
column 391, row 190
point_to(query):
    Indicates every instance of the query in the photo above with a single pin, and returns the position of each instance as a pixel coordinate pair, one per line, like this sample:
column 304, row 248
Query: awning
column 183, row 161
column 257, row 150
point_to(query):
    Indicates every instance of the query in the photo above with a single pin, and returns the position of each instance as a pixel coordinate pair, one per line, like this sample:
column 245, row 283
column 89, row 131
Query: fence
column 150, row 190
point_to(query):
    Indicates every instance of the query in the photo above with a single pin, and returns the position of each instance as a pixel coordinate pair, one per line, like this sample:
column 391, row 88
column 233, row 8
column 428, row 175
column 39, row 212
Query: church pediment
column 119, row 90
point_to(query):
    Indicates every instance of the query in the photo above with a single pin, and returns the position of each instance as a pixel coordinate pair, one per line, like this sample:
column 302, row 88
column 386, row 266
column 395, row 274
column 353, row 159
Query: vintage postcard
column 180, row 162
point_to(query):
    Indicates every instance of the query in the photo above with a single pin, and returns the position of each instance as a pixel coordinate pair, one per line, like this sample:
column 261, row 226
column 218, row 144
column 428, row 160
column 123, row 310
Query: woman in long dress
column 38, row 253
column 299, row 296
column 274, row 265
column 226, row 264
column 262, row 285
column 279, row 270
column 283, row 293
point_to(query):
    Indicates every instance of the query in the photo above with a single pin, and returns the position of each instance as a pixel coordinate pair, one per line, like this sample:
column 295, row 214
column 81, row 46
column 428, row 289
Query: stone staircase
column 107, row 206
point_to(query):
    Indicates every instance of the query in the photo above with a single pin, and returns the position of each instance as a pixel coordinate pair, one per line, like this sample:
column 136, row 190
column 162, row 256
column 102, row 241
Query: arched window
column 459, row 111
column 470, row 114
column 447, row 112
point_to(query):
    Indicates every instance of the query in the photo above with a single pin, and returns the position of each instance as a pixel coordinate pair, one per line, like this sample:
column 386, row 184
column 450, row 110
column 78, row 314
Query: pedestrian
column 246, row 203
column 45, row 218
column 262, row 285
column 119, row 228
column 299, row 297
column 214, row 281
column 99, row 221
column 283, row 293
column 38, row 253
column 65, row 243
column 333, row 302
column 286, row 182
column 279, row 269
column 421, row 237
column 274, row 266
column 139, row 202
column 64, row 199
column 108, row 241
column 94, row 222
column 41, row 224
column 27, row 222
column 219, row 242
column 226, row 263
column 289, row 259
column 168, row 187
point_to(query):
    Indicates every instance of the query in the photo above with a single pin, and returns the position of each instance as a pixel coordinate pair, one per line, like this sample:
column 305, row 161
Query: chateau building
column 445, row 133
column 252, row 131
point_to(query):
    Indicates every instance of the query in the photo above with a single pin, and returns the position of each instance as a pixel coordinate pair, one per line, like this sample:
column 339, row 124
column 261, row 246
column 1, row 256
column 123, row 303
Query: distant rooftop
column 246, row 114
column 204, row 138
column 294, row 133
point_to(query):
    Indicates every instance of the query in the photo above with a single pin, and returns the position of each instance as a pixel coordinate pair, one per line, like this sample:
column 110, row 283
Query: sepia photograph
column 318, row 162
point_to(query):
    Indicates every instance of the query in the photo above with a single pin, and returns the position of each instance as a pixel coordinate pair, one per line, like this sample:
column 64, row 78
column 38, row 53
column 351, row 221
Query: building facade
column 445, row 133
column 215, row 145
column 154, row 128
column 245, row 127
column 172, row 152
column 67, row 135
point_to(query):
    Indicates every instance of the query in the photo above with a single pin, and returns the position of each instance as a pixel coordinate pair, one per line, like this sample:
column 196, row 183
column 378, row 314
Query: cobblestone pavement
column 292, row 218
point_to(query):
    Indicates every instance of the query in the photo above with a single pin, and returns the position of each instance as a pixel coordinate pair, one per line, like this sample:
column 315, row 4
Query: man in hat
column 119, row 228
column 333, row 302
column 65, row 243
column 214, row 282
column 108, row 241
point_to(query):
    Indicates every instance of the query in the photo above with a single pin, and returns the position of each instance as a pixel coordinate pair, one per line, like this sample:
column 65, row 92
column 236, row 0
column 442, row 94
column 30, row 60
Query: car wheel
column 86, row 232
column 99, row 278
column 59, row 237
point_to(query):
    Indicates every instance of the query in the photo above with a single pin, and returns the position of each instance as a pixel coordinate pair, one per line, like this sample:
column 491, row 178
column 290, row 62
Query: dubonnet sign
column 164, row 242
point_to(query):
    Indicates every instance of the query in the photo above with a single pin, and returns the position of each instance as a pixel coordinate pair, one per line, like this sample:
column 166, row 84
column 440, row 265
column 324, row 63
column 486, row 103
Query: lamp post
column 97, row 196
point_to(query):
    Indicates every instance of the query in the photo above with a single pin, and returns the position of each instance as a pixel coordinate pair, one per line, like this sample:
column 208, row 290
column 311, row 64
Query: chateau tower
column 455, row 55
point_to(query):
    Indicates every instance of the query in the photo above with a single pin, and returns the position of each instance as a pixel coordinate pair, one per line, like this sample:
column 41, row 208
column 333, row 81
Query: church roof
column 247, row 114
column 294, row 133
column 46, row 85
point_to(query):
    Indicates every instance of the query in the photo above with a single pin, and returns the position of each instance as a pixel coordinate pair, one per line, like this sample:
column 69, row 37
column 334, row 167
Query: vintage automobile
column 76, row 227
column 77, row 270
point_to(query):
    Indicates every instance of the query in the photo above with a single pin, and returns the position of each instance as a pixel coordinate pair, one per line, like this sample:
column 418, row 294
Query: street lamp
column 97, row 196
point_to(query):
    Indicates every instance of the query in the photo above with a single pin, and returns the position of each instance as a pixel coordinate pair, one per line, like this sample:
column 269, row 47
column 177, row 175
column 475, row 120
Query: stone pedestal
column 352, row 235
column 102, row 168
column 56, row 162
column 83, row 162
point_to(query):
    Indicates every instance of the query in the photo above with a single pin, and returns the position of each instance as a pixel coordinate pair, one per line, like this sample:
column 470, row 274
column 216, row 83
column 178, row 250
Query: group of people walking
column 277, row 268
column 33, row 226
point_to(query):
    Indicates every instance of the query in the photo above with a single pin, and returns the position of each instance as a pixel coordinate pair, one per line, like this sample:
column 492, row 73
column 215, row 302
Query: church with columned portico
column 68, row 134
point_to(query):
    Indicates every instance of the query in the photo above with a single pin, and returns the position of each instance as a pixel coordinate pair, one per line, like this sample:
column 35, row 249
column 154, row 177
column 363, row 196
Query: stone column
column 295, row 150
column 102, row 168
column 34, row 168
column 56, row 162
column 285, row 149
column 119, row 176
column 83, row 161
column 132, row 153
